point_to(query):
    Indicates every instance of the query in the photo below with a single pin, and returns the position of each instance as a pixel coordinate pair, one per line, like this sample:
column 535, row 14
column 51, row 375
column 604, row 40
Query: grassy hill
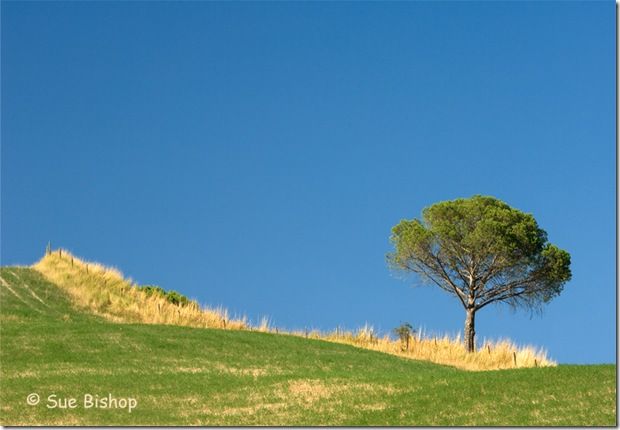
column 105, row 292
column 202, row 376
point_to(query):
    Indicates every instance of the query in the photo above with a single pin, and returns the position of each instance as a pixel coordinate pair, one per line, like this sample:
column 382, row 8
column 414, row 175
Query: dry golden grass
column 106, row 292
column 502, row 354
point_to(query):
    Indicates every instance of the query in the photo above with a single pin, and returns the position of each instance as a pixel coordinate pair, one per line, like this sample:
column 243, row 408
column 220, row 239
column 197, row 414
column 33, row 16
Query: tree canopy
column 482, row 251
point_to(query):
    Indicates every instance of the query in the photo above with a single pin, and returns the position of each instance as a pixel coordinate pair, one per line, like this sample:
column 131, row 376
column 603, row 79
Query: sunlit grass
column 105, row 292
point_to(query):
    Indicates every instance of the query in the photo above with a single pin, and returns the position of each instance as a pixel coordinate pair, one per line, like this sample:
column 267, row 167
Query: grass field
column 200, row 376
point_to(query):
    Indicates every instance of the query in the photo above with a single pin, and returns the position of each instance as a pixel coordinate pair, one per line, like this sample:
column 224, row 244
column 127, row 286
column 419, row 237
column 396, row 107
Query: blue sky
column 256, row 155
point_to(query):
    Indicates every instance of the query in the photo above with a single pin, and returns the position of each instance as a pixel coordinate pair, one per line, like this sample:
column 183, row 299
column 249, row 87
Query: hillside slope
column 197, row 376
column 105, row 292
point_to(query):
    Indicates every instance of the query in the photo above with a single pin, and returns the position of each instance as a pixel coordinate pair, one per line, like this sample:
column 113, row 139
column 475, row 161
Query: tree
column 482, row 251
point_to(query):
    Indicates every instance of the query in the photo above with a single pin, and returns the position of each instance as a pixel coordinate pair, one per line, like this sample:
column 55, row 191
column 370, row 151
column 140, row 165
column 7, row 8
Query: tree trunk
column 470, row 332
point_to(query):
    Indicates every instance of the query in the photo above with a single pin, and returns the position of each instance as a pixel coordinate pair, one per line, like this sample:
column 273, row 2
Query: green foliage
column 482, row 251
column 171, row 296
column 152, row 290
column 207, row 377
column 176, row 298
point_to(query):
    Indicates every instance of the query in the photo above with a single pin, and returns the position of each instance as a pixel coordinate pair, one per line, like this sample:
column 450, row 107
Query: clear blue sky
column 256, row 155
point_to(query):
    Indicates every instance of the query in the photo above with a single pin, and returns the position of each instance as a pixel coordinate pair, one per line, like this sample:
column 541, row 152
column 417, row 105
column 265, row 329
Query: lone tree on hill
column 482, row 251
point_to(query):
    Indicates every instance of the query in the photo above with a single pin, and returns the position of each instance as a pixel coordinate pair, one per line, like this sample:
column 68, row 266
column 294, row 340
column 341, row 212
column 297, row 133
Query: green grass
column 190, row 376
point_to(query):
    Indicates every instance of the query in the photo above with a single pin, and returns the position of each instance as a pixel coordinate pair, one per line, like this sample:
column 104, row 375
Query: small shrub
column 404, row 332
column 171, row 296
column 152, row 290
column 176, row 298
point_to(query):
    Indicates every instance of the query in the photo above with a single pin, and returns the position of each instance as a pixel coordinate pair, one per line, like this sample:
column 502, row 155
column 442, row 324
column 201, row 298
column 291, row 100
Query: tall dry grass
column 106, row 292
column 492, row 355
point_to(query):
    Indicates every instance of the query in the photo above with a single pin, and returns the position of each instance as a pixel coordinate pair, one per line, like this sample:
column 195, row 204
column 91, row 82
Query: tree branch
column 459, row 293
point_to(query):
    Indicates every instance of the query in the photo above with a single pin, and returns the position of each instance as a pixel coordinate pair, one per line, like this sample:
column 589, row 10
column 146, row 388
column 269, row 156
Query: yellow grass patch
column 501, row 354
column 310, row 390
column 105, row 292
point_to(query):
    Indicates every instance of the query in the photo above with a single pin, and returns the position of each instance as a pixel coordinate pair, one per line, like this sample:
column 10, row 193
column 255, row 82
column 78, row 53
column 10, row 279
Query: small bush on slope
column 172, row 296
